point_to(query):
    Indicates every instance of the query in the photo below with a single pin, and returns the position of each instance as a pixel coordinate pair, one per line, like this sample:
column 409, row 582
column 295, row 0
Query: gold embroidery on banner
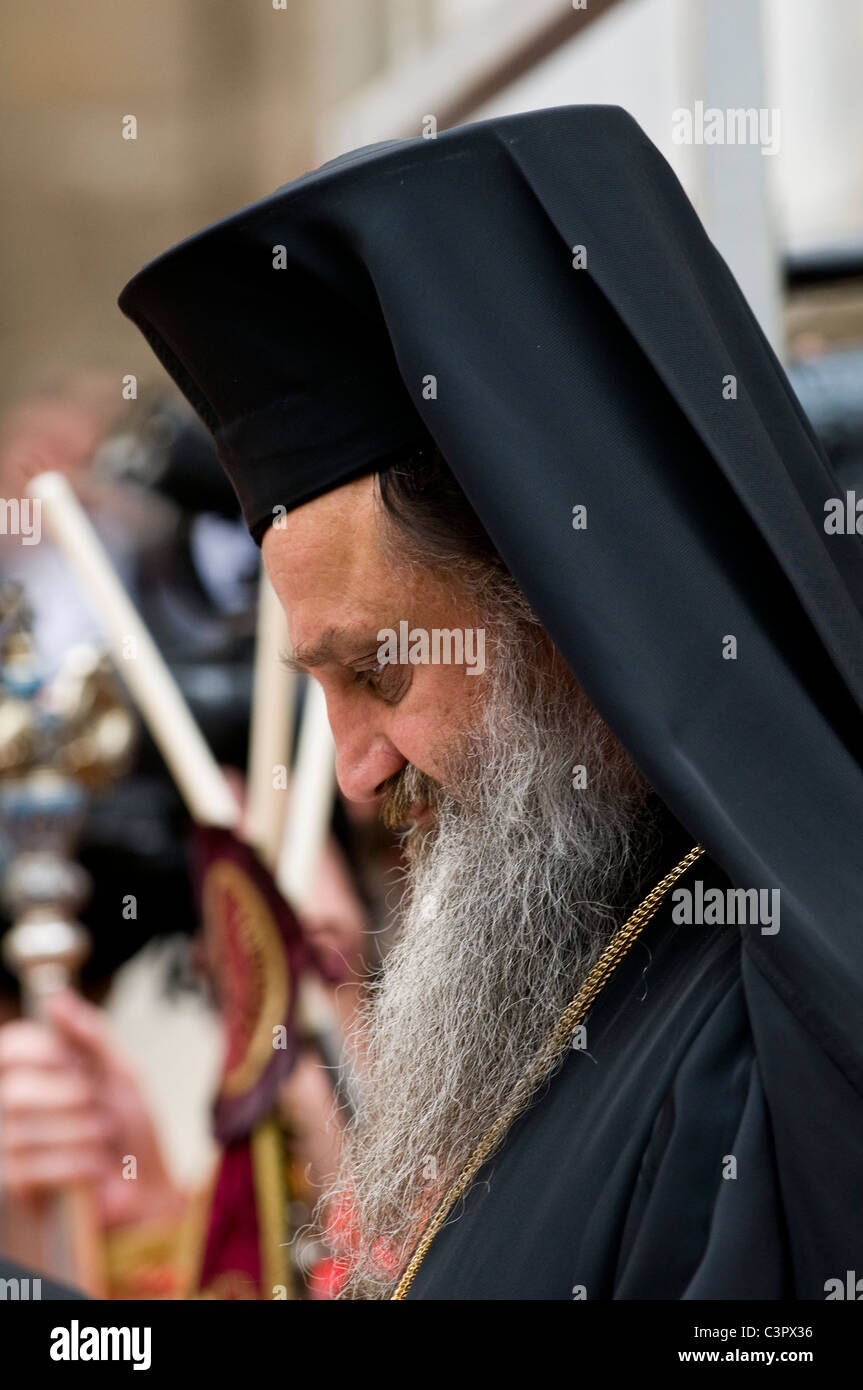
column 268, row 1167
column 265, row 956
column 233, row 1285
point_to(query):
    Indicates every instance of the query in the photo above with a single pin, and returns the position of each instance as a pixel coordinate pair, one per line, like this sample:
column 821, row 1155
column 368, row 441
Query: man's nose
column 365, row 758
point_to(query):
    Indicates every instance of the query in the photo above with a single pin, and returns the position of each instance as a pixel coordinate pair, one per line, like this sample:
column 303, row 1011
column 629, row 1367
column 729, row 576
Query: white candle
column 307, row 822
column 139, row 661
column 272, row 729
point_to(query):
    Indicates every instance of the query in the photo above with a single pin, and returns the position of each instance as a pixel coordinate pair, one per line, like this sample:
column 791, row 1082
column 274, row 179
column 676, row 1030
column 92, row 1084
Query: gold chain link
column 551, row 1051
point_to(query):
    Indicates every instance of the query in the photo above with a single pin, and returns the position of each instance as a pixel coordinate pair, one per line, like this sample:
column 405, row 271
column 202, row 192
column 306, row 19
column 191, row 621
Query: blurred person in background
column 71, row 1105
column 69, row 1102
column 201, row 616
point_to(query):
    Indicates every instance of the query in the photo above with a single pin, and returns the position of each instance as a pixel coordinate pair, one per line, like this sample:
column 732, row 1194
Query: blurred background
column 234, row 97
column 129, row 126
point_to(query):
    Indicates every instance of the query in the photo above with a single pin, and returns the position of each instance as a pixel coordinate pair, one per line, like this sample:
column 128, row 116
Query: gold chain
column 545, row 1059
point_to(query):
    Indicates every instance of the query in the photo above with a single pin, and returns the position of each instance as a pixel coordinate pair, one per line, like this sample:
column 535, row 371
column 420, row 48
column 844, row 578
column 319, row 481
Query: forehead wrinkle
column 334, row 542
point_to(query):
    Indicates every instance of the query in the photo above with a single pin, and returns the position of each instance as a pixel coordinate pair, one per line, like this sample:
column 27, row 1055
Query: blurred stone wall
column 223, row 92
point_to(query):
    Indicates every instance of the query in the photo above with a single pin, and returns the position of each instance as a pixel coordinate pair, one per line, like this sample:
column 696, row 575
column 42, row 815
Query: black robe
column 649, row 1167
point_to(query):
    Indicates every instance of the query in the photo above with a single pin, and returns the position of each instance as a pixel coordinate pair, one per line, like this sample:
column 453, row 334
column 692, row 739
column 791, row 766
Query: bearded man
column 500, row 383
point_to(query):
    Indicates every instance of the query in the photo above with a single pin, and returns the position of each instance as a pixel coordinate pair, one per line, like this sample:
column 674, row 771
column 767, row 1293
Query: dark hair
column 434, row 524
column 423, row 500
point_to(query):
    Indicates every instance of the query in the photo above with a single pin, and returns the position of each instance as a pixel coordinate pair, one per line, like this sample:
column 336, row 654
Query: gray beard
column 512, row 894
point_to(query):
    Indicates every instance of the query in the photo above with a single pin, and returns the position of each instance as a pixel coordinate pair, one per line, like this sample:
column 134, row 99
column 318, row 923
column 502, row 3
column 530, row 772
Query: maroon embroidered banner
column 256, row 954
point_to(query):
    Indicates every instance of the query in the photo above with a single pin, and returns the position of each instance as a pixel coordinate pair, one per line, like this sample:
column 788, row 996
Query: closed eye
column 367, row 674
column 383, row 678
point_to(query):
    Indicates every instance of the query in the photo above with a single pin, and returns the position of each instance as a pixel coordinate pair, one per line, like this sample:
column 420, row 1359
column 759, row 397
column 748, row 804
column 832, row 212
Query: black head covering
column 605, row 386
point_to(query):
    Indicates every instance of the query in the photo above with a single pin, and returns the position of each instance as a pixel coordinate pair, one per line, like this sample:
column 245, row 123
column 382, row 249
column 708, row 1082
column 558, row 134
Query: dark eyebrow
column 335, row 643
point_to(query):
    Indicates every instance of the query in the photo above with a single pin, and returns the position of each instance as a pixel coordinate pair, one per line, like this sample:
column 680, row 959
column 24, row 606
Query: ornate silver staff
column 57, row 740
